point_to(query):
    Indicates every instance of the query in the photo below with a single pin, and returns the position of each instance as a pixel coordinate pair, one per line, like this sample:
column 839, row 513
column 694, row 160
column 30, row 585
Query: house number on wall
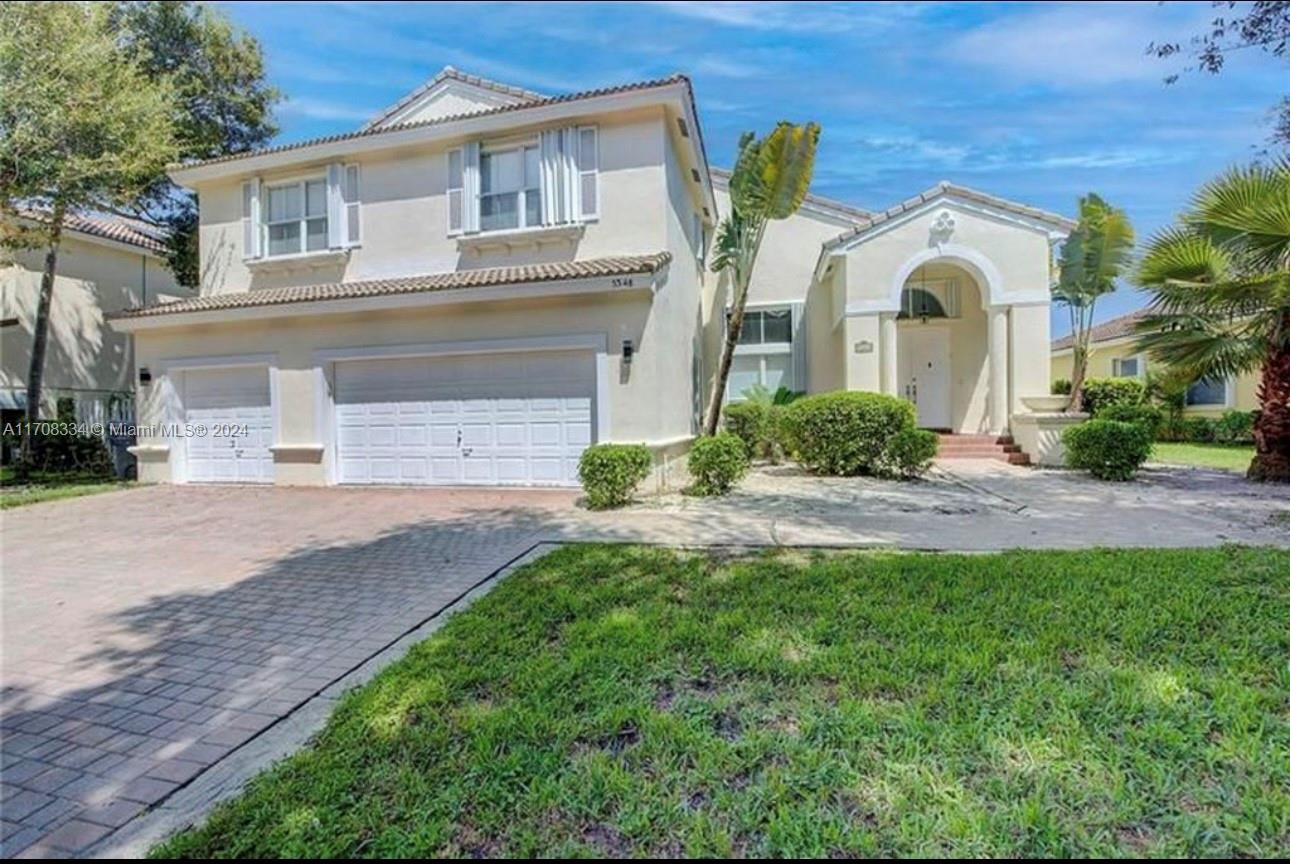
column 622, row 282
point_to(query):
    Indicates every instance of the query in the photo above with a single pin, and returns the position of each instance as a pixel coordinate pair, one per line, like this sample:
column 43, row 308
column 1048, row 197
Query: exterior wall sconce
column 145, row 375
column 628, row 350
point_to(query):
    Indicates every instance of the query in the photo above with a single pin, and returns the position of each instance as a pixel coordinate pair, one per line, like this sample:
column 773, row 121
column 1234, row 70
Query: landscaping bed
column 612, row 700
column 51, row 486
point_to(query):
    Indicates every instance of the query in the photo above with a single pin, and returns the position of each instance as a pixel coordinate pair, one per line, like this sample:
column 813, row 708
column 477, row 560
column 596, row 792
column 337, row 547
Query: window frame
column 762, row 350
column 1227, row 396
column 487, row 150
column 302, row 183
column 1140, row 370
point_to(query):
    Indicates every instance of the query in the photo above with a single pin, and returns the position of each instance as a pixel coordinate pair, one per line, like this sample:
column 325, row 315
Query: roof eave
column 382, row 302
column 676, row 91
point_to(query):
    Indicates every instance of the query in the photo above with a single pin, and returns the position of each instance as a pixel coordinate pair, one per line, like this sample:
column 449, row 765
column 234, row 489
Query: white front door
column 925, row 373
column 487, row 419
column 230, row 423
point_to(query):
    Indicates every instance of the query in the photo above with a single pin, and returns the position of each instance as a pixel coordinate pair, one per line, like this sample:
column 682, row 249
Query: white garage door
column 491, row 419
column 233, row 407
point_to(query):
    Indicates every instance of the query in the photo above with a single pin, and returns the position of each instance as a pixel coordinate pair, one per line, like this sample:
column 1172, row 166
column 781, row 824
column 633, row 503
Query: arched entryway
column 942, row 356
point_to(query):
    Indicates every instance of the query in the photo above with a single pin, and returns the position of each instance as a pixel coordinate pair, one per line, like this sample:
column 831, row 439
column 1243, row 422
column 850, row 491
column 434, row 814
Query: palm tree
column 1093, row 257
column 1220, row 280
column 770, row 180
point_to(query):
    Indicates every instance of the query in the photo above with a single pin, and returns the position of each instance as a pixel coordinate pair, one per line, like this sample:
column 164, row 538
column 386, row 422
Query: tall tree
column 1263, row 25
column 1220, row 286
column 1094, row 256
column 223, row 103
column 82, row 127
column 770, row 180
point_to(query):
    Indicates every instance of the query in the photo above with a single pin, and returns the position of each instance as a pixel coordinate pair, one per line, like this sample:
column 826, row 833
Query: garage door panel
column 488, row 419
column 235, row 399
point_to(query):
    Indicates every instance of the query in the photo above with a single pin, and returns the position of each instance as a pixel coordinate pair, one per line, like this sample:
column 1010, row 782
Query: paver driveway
column 148, row 633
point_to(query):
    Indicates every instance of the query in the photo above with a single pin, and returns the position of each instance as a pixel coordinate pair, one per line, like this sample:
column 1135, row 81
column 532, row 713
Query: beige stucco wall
column 1101, row 355
column 84, row 355
column 404, row 213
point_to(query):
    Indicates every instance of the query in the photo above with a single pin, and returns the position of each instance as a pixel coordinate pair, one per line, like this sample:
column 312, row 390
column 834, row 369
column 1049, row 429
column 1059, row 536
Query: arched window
column 920, row 303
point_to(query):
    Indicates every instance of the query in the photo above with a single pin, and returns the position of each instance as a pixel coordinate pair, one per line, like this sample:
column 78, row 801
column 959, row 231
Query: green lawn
column 1229, row 457
column 628, row 701
column 51, row 487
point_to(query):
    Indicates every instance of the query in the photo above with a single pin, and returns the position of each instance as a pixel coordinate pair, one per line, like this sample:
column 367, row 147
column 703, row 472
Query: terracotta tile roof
column 1116, row 328
column 623, row 265
column 368, row 132
column 129, row 231
column 846, row 211
column 947, row 188
column 449, row 73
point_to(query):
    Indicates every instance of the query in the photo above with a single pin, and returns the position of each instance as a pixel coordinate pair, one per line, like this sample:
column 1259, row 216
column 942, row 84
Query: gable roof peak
column 517, row 95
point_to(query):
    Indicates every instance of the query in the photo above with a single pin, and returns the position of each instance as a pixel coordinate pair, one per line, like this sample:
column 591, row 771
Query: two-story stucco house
column 105, row 265
column 484, row 280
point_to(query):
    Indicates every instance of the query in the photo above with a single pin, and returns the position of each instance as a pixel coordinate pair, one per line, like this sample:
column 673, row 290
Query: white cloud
column 1088, row 44
column 723, row 67
column 793, row 17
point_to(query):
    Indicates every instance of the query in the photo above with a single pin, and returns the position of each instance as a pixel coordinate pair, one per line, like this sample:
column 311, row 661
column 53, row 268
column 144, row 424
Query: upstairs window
column 295, row 216
column 765, row 355
column 509, row 189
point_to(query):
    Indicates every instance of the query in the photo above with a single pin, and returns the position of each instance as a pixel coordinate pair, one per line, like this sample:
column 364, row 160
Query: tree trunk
column 1079, row 368
column 1272, row 428
column 727, row 360
column 40, row 331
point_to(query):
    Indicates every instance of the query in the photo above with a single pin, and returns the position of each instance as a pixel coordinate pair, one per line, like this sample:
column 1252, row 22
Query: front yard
column 612, row 700
column 1228, row 457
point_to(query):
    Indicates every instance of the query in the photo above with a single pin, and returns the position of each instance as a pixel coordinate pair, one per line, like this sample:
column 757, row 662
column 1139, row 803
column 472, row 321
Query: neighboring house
column 483, row 280
column 105, row 265
column 1112, row 354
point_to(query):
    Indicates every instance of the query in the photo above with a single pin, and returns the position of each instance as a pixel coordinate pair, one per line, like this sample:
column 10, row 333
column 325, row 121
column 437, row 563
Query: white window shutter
column 351, row 199
column 456, row 191
column 587, row 159
column 335, row 206
column 251, row 219
column 470, row 187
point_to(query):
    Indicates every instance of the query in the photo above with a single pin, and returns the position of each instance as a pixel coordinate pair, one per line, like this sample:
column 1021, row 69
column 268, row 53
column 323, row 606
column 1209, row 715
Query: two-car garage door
column 487, row 419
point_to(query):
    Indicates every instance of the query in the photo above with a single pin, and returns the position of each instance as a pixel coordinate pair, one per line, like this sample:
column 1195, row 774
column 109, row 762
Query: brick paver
column 149, row 633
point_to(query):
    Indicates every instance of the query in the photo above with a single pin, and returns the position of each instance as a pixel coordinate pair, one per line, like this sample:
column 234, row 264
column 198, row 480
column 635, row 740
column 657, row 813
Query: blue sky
column 1036, row 102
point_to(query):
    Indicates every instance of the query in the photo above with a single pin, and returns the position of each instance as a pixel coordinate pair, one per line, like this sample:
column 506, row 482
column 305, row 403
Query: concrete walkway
column 163, row 644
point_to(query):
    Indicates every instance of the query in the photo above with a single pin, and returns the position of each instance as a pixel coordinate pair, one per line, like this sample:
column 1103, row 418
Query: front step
column 998, row 447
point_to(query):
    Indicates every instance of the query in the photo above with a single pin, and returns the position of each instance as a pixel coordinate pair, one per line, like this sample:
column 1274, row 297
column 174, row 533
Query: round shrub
column 750, row 422
column 717, row 463
column 844, row 432
column 1147, row 416
column 610, row 473
column 1107, row 449
column 1101, row 393
column 908, row 453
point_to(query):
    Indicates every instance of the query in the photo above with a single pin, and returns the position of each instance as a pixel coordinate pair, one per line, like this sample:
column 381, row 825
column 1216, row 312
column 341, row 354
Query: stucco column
column 888, row 348
column 997, row 317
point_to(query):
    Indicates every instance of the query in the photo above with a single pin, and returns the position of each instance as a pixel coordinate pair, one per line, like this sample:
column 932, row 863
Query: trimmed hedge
column 1107, row 449
column 717, row 463
column 1101, row 393
column 845, row 432
column 1235, row 427
column 83, row 455
column 908, row 453
column 610, row 473
column 1147, row 416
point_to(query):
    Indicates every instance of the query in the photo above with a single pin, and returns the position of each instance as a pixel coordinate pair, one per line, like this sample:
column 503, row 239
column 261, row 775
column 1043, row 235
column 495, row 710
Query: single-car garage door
column 230, row 425
column 489, row 419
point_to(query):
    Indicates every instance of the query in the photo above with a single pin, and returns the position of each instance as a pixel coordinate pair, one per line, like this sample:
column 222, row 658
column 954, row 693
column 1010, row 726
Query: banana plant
column 769, row 181
column 1092, row 259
